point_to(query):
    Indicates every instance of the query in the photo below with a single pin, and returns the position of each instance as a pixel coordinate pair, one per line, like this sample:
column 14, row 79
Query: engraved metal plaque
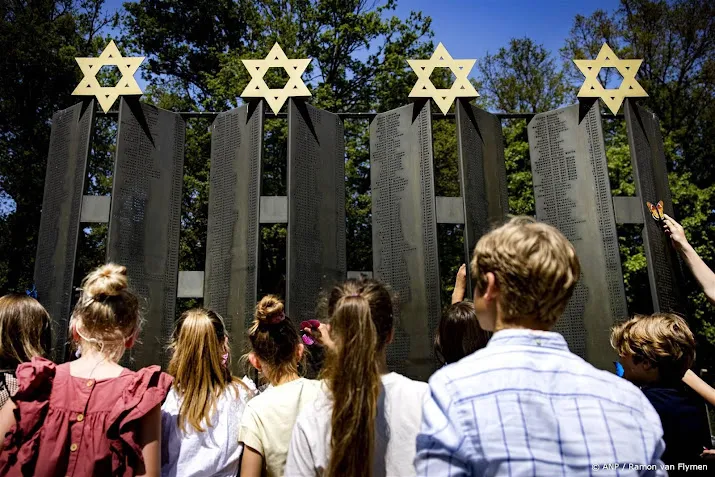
column 145, row 218
column 572, row 193
column 482, row 173
column 231, row 283
column 651, row 178
column 404, row 232
column 59, row 225
column 316, row 256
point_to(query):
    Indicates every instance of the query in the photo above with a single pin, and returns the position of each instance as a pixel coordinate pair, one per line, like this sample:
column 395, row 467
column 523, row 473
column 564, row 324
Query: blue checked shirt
column 526, row 406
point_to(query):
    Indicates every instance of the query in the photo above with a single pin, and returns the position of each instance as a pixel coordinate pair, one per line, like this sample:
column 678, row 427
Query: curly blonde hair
column 663, row 340
column 535, row 267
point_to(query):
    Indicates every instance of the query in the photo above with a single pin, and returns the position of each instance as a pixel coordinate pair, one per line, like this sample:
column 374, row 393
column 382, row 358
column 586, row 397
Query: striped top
column 526, row 405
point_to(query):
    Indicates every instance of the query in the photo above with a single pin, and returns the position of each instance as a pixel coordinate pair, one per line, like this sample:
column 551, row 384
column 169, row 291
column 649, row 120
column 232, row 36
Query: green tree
column 39, row 41
column 677, row 41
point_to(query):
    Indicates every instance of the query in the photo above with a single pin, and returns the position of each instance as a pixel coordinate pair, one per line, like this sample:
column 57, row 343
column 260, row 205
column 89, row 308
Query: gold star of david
column 276, row 98
column 107, row 95
column 592, row 88
column 461, row 88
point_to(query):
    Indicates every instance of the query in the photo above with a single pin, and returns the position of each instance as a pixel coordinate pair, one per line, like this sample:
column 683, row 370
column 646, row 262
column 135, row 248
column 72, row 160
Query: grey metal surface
column 274, row 209
column 482, row 174
column 145, row 218
column 450, row 210
column 95, row 209
column 231, row 282
column 651, row 178
column 572, row 193
column 404, row 231
column 191, row 284
column 59, row 224
column 316, row 255
column 629, row 210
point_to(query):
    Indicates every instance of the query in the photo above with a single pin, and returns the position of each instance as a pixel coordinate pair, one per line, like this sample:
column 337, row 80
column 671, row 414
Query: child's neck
column 520, row 324
column 95, row 365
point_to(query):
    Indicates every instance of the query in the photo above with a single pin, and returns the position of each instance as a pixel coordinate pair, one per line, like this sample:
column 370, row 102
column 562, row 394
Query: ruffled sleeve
column 32, row 400
column 147, row 390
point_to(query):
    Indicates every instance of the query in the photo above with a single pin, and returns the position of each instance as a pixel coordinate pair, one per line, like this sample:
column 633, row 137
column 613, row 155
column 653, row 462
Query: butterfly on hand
column 656, row 211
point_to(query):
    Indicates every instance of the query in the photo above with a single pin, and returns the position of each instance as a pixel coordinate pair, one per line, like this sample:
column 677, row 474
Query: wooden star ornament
column 276, row 98
column 443, row 98
column 613, row 98
column 107, row 95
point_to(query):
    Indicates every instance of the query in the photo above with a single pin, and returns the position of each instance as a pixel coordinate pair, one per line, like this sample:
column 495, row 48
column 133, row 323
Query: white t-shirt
column 269, row 418
column 399, row 416
column 214, row 452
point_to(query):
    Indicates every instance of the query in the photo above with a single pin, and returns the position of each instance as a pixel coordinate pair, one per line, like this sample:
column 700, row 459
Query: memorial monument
column 571, row 188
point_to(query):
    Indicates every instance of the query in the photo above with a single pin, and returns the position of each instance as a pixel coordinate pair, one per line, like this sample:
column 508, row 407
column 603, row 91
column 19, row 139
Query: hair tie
column 355, row 294
column 277, row 318
column 32, row 292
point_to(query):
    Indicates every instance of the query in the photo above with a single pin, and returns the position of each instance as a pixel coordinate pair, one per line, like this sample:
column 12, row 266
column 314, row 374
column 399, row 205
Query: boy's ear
column 253, row 359
column 491, row 291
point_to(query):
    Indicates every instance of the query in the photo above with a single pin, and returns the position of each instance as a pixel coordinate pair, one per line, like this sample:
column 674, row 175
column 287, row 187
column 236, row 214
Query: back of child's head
column 459, row 333
column 535, row 269
column 106, row 315
column 274, row 339
column 25, row 330
column 662, row 340
column 199, row 365
column 361, row 322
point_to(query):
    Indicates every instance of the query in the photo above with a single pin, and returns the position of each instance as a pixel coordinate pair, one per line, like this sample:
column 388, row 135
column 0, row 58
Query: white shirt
column 269, row 418
column 399, row 415
column 214, row 452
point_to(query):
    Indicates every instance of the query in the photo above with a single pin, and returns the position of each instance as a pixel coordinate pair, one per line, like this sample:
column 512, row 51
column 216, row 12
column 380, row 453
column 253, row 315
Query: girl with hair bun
column 90, row 416
column 267, row 422
column 202, row 412
column 366, row 422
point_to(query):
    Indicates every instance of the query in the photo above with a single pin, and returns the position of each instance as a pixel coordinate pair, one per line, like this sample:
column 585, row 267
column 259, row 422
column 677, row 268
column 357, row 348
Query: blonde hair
column 106, row 315
column 274, row 339
column 200, row 376
column 25, row 330
column 535, row 267
column 361, row 322
column 663, row 340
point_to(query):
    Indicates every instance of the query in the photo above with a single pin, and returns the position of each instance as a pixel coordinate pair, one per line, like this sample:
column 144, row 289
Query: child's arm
column 460, row 285
column 7, row 420
column 150, row 440
column 702, row 273
column 699, row 386
column 251, row 463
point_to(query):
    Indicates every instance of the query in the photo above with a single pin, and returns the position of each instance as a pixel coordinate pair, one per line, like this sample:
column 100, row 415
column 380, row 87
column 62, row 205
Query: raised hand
column 460, row 285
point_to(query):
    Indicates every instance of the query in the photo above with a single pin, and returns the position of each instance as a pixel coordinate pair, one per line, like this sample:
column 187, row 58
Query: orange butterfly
column 656, row 211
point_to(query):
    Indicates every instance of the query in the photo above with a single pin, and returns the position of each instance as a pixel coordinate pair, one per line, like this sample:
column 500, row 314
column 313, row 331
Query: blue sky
column 471, row 28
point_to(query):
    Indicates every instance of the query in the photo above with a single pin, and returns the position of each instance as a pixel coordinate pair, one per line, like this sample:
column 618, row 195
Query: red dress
column 75, row 426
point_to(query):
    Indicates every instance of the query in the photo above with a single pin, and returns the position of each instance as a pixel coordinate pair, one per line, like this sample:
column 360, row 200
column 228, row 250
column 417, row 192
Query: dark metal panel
column 572, row 193
column 61, row 207
column 404, row 231
column 651, row 177
column 316, row 256
column 231, row 282
column 482, row 173
column 145, row 218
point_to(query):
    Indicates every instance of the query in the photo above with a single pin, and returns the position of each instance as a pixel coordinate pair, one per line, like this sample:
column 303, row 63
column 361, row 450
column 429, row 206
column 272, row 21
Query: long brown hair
column 361, row 322
column 274, row 339
column 200, row 376
column 25, row 330
column 106, row 315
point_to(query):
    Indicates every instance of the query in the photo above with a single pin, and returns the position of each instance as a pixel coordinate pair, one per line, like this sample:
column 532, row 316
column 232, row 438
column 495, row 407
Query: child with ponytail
column 366, row 422
column 90, row 416
column 202, row 413
column 268, row 420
